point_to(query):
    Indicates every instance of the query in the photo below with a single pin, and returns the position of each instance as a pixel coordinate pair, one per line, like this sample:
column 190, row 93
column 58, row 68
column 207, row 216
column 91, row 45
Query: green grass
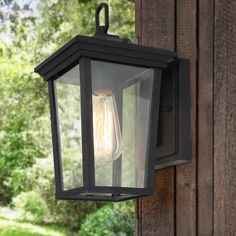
column 11, row 226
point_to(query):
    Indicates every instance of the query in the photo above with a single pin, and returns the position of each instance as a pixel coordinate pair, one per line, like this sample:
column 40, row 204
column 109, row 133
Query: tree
column 23, row 135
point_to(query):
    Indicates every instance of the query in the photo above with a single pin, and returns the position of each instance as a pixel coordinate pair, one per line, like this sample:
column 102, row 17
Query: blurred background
column 30, row 30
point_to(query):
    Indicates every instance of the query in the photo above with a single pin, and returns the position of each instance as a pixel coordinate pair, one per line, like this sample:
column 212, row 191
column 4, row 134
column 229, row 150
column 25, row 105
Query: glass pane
column 136, row 117
column 68, row 97
column 121, row 113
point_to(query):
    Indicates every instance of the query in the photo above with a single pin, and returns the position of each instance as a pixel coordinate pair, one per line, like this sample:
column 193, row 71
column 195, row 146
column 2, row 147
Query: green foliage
column 32, row 206
column 17, row 29
column 61, row 20
column 110, row 220
column 65, row 213
column 22, row 136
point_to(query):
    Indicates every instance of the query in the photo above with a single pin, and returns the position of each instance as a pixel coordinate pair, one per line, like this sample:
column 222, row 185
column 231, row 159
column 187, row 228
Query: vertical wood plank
column 138, row 20
column 205, row 118
column 158, row 210
column 158, row 23
column 225, row 118
column 138, row 31
column 186, row 43
column 155, row 27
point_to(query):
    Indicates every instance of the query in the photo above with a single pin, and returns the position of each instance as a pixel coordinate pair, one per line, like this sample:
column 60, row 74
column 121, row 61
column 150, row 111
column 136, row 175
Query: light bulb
column 106, row 127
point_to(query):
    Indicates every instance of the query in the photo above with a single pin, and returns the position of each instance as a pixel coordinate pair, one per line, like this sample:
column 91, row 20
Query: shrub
column 65, row 213
column 32, row 206
column 110, row 220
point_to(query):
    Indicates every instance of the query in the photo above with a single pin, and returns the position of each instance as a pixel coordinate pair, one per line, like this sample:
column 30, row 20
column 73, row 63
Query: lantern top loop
column 104, row 28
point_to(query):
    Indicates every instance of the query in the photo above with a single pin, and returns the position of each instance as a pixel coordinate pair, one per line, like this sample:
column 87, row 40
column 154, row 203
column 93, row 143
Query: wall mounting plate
column 174, row 140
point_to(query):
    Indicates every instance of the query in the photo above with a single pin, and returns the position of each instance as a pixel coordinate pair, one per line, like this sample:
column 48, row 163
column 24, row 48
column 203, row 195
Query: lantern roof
column 110, row 49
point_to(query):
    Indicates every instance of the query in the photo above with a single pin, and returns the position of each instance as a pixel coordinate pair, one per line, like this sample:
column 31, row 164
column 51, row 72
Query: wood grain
column 138, row 20
column 205, row 118
column 225, row 118
column 198, row 198
column 155, row 24
column 186, row 174
column 158, row 210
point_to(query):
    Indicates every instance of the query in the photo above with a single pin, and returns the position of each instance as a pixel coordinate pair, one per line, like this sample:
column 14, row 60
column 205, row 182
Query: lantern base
column 174, row 141
column 102, row 193
column 95, row 197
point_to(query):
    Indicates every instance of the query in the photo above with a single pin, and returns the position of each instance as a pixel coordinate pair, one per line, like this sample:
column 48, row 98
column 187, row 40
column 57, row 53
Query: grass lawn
column 9, row 226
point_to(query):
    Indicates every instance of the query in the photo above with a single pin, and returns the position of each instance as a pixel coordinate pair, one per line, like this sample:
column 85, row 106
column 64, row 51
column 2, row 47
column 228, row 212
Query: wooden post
column 198, row 198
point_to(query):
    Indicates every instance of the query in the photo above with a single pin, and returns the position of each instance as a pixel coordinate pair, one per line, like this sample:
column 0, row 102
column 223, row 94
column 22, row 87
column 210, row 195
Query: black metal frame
column 174, row 144
column 89, row 190
column 170, row 103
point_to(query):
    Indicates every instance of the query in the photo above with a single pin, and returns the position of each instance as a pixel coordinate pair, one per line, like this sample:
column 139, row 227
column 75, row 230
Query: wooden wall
column 198, row 198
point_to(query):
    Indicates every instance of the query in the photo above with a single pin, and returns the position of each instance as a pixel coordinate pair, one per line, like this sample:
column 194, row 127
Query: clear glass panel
column 68, row 97
column 121, row 113
column 136, row 117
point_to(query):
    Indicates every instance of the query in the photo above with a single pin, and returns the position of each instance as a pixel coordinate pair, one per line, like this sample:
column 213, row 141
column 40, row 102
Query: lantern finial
column 102, row 29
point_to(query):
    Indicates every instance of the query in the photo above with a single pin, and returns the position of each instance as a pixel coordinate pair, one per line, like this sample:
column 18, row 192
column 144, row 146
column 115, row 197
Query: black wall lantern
column 118, row 112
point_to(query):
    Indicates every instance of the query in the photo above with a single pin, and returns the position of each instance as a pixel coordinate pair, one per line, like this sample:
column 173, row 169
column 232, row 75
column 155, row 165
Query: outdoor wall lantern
column 118, row 112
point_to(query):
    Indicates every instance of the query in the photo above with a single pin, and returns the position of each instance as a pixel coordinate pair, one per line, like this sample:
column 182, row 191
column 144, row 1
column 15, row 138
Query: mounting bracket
column 174, row 140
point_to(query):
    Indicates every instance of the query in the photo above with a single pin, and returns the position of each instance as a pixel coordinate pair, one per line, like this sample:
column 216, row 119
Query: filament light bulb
column 106, row 127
